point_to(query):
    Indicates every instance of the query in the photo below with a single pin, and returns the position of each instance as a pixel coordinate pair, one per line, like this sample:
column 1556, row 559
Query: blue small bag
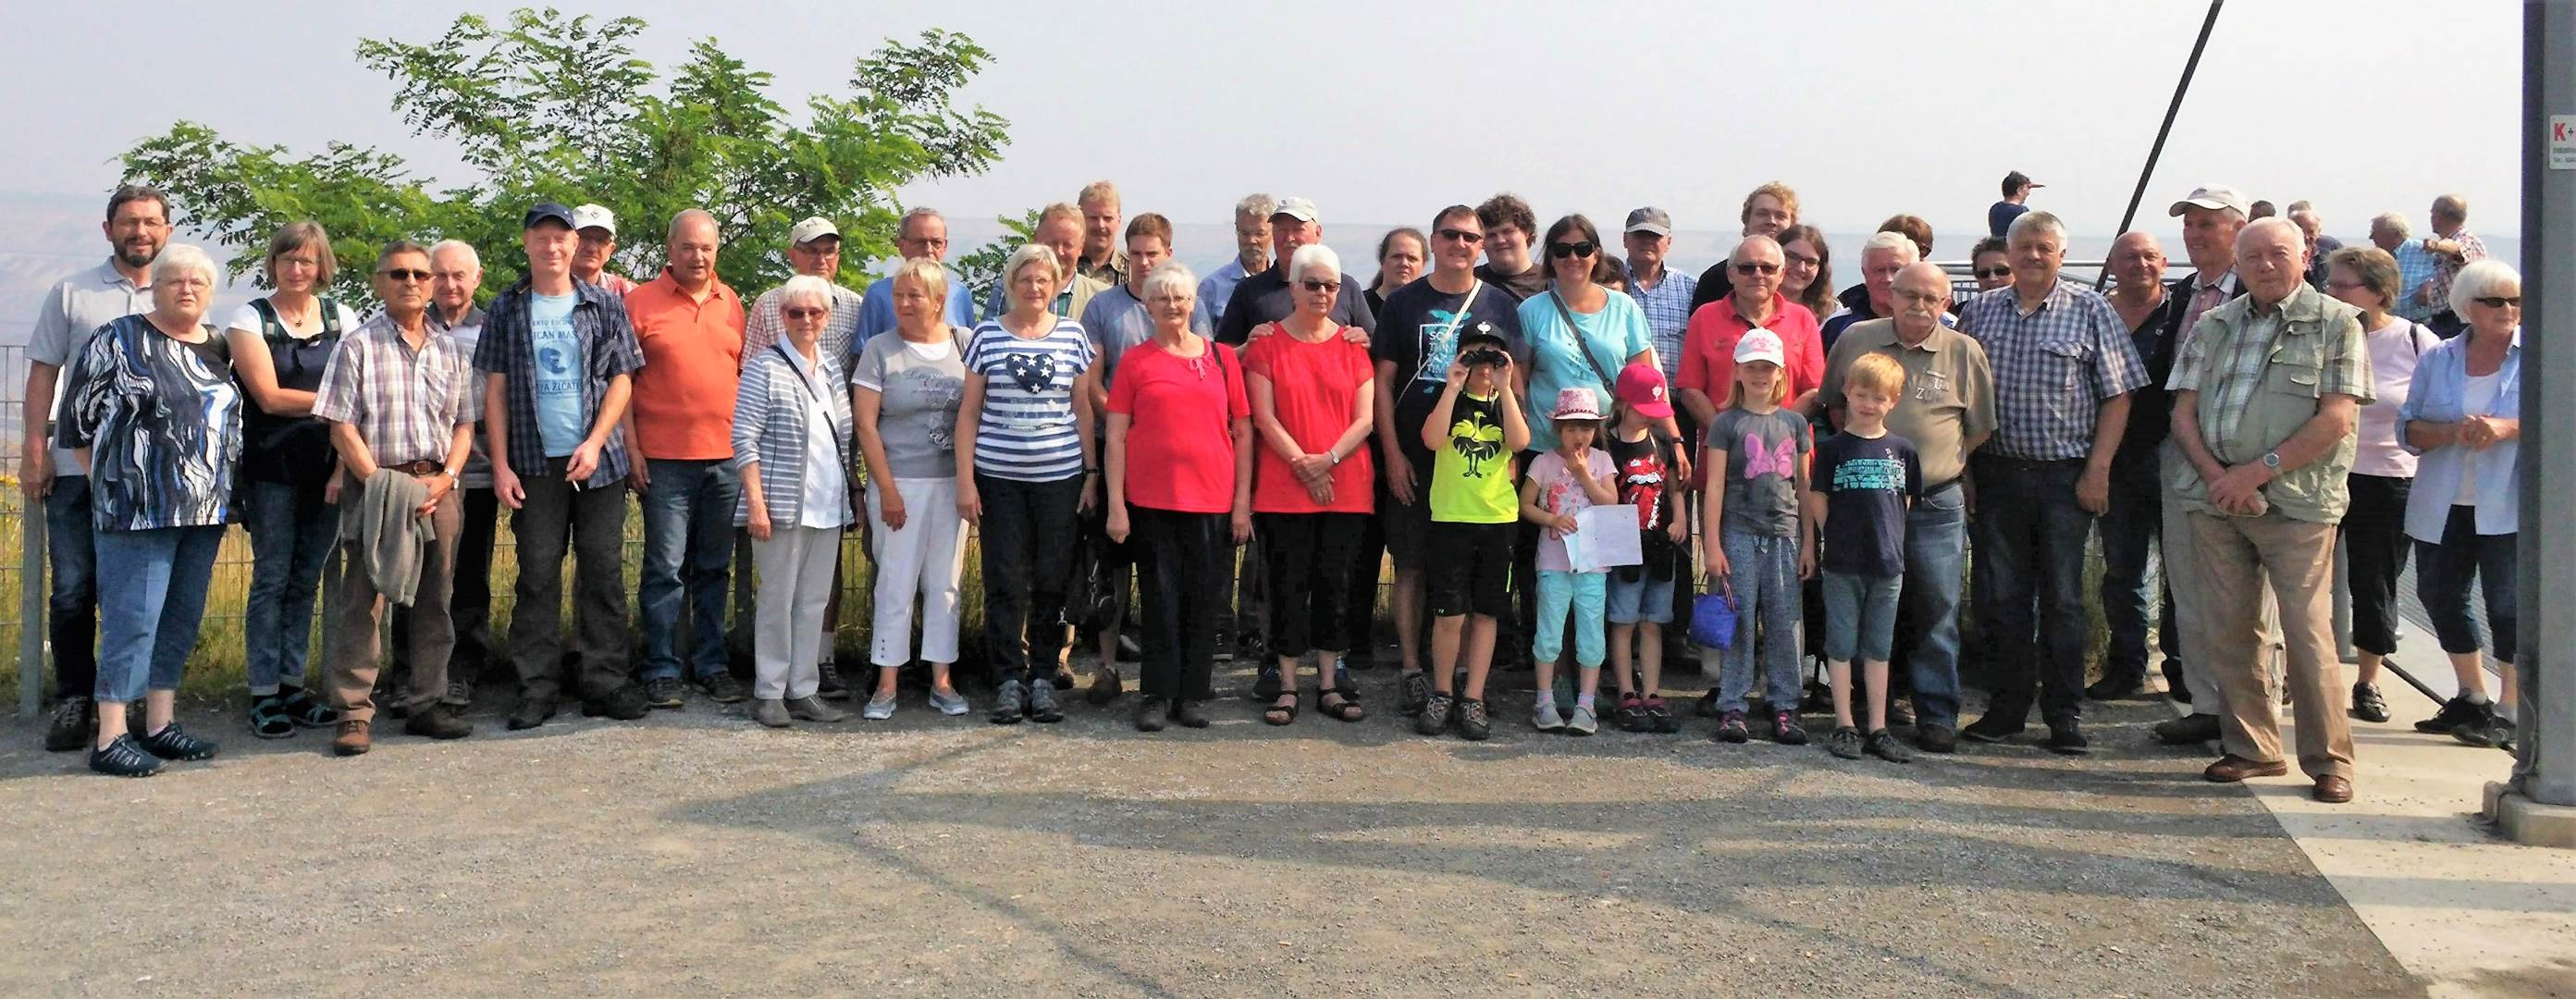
column 1712, row 623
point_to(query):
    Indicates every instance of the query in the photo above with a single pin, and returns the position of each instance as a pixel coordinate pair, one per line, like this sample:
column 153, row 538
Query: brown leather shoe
column 353, row 739
column 2232, row 768
column 2334, row 790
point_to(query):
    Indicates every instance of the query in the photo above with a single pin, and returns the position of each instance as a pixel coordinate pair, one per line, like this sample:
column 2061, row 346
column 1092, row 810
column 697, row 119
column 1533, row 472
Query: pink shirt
column 2393, row 350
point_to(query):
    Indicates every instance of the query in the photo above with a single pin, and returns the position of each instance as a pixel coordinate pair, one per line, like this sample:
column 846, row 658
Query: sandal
column 1344, row 706
column 268, row 719
column 1281, row 714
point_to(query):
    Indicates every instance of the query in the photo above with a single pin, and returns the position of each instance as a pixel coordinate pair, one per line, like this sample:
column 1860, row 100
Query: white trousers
column 795, row 583
column 925, row 559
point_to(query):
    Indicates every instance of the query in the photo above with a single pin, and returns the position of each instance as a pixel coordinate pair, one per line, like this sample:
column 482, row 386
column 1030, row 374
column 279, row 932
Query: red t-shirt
column 1708, row 348
column 1180, row 441
column 1312, row 389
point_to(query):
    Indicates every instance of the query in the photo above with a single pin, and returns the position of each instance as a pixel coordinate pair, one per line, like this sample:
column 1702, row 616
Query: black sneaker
column 2067, row 738
column 1360, row 659
column 174, row 743
column 2116, row 688
column 391, row 683
column 1883, row 744
column 268, row 717
column 1265, row 683
column 306, row 712
column 1994, row 727
column 1191, row 714
column 1844, row 741
column 722, row 688
column 1730, row 728
column 533, row 710
column 1433, row 719
column 1936, row 739
column 663, row 692
column 2496, row 733
column 1414, row 690
column 1150, row 712
column 438, row 721
column 1708, row 705
column 2174, row 686
column 831, row 688
column 1473, row 725
column 1009, row 703
column 123, row 757
column 1042, row 707
column 75, row 720
column 624, row 703
column 2455, row 712
column 1661, row 717
column 1785, row 729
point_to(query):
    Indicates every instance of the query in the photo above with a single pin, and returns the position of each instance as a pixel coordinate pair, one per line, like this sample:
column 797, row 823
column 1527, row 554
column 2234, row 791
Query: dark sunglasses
column 2499, row 301
column 1757, row 268
column 1462, row 235
column 406, row 276
column 1310, row 284
column 801, row 312
column 1994, row 272
column 1563, row 250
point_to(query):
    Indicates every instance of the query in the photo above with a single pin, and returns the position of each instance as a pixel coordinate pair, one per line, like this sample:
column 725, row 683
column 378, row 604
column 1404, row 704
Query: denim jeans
column 688, row 548
column 150, row 608
column 1028, row 533
column 2442, row 576
column 2129, row 530
column 1587, row 594
column 71, row 607
column 1762, row 572
column 1936, row 532
column 2029, row 580
column 291, row 534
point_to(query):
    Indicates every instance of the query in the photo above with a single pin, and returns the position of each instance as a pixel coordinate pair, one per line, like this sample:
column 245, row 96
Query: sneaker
column 1009, row 703
column 949, row 702
column 664, row 692
column 1151, row 710
column 268, row 717
column 2116, row 688
column 2367, row 705
column 2454, row 712
column 1730, row 728
column 1936, row 739
column 1994, row 727
column 1359, row 659
column 1191, row 714
column 1785, row 729
column 2497, row 733
column 438, row 721
column 1631, row 716
column 1844, row 741
column 878, row 709
column 1042, row 707
column 354, row 739
column 1581, row 722
column 1883, row 744
column 2067, row 738
column 122, row 757
column 812, row 709
column 770, row 711
column 1473, row 724
column 174, row 743
column 831, row 688
column 1266, row 683
column 625, row 702
column 304, row 711
column 1544, row 718
column 722, row 688
column 1817, row 698
column 1415, row 690
column 75, row 720
column 533, row 710
column 1661, row 715
column 1433, row 719
column 460, row 694
column 1105, row 685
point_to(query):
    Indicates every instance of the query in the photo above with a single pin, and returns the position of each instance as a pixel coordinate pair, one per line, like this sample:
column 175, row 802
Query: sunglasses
column 2499, row 301
column 1462, row 236
column 1563, row 250
column 1310, row 284
column 1757, row 268
column 1994, row 272
column 406, row 276
column 801, row 312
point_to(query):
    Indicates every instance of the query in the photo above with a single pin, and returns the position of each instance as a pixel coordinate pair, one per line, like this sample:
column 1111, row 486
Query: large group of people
column 1805, row 470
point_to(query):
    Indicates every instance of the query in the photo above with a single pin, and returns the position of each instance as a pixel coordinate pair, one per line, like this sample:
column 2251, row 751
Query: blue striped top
column 1026, row 431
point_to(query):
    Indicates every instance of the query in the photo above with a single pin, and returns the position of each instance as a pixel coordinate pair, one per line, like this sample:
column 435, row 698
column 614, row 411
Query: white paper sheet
column 1605, row 537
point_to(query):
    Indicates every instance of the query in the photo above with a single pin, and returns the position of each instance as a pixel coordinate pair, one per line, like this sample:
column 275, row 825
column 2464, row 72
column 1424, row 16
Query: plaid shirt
column 508, row 349
column 2243, row 348
column 405, row 403
column 1668, row 312
column 2446, row 266
column 2054, row 367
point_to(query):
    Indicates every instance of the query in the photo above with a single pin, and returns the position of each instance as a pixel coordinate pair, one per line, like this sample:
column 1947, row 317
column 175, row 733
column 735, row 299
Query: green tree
column 981, row 270
column 545, row 106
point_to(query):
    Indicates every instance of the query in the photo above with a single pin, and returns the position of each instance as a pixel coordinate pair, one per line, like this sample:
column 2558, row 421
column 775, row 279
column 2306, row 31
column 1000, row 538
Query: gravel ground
column 698, row 854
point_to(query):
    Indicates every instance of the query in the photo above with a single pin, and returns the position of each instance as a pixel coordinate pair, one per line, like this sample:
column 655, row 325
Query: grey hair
column 472, row 258
column 1892, row 240
column 2269, row 223
column 2452, row 205
column 905, row 226
column 179, row 258
column 1260, row 206
column 1175, row 279
column 2477, row 280
column 2394, row 222
column 1030, row 255
column 1314, row 255
column 686, row 215
column 2034, row 222
column 925, row 272
column 805, row 288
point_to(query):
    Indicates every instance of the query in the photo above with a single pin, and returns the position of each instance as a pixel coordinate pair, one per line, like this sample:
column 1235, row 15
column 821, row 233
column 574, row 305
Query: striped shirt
column 2054, row 368
column 1026, row 430
column 774, row 424
column 406, row 404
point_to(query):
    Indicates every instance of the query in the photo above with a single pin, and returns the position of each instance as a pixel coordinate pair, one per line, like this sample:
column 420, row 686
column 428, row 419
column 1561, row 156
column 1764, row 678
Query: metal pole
column 2545, row 763
column 31, row 606
column 2172, row 110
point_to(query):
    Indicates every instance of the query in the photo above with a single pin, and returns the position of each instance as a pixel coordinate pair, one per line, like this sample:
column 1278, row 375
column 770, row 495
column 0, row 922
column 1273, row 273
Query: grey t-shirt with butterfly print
column 1763, row 454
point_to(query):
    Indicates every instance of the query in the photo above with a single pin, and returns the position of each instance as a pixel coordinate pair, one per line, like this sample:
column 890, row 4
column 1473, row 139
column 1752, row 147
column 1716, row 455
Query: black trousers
column 1185, row 563
column 593, row 522
column 1309, row 578
column 1028, row 534
column 2374, row 540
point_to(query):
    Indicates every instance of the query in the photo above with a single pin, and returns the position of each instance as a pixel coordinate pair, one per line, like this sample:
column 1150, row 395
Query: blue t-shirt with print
column 1868, row 484
column 563, row 366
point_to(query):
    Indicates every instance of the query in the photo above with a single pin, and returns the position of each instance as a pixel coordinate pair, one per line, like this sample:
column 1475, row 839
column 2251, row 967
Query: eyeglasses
column 1803, row 260
column 2499, row 301
column 1994, row 272
column 406, row 276
column 1310, row 284
column 1563, row 250
column 1750, row 268
column 2333, row 285
column 1462, row 236
column 801, row 312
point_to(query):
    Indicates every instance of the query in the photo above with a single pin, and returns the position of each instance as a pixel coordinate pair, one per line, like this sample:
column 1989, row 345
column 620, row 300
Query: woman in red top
column 1180, row 481
column 1312, row 391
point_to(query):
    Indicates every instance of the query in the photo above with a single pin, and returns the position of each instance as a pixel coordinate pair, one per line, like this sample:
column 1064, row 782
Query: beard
column 136, row 258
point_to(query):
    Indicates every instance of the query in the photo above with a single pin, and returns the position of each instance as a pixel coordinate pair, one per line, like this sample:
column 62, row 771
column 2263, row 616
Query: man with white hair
column 2265, row 400
column 2451, row 246
column 2212, row 215
column 2064, row 369
column 597, row 227
column 2320, row 246
column 1264, row 297
column 2389, row 231
column 1060, row 229
column 1251, row 253
column 689, row 326
column 1102, row 260
column 1886, row 253
column 922, row 235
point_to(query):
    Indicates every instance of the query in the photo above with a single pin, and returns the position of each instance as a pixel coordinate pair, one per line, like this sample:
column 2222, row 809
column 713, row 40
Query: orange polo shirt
column 684, row 394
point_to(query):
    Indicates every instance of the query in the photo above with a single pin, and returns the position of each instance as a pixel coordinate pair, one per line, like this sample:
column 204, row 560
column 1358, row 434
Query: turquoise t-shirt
column 1612, row 336
column 563, row 363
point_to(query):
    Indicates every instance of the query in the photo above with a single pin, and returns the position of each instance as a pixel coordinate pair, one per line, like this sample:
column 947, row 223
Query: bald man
column 2131, row 525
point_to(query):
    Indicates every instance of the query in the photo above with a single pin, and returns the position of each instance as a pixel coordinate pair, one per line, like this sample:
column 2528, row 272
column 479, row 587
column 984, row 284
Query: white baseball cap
column 812, row 229
column 594, row 217
column 2216, row 197
column 1761, row 345
column 1301, row 209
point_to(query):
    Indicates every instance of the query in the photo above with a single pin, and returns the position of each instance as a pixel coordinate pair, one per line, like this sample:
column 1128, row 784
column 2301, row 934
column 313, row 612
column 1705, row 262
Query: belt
column 1943, row 484
column 417, row 468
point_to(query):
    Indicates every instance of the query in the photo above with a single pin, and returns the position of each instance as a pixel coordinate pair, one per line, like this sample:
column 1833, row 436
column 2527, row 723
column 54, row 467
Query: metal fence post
column 31, row 607
column 2546, row 769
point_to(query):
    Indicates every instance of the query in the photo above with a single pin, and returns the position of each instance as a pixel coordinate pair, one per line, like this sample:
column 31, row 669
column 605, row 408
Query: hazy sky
column 1383, row 111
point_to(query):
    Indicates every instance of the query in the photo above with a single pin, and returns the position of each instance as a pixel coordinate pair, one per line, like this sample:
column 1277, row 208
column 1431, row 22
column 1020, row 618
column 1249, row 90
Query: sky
column 1383, row 112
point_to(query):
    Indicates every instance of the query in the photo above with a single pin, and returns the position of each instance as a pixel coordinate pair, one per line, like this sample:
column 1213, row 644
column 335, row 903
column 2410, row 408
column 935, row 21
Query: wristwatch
column 2272, row 460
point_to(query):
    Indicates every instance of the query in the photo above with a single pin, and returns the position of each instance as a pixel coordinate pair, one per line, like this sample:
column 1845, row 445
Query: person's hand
column 2478, row 433
column 2093, row 490
column 1117, row 527
column 1564, row 524
column 2240, row 490
column 331, row 486
column 1681, row 477
column 1090, row 494
column 970, row 506
column 889, row 504
column 1310, row 467
column 1807, row 561
column 2424, row 293
column 1242, row 526
column 36, row 472
column 1356, row 335
column 506, row 487
column 585, row 460
column 1720, row 574
column 1677, row 529
column 637, row 477
column 1320, row 490
column 439, row 486
column 1399, row 480
column 1968, row 497
column 759, row 523
column 1458, row 371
